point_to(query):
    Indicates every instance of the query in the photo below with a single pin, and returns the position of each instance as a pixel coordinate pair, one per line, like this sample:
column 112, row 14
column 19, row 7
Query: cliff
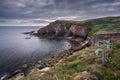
column 64, row 29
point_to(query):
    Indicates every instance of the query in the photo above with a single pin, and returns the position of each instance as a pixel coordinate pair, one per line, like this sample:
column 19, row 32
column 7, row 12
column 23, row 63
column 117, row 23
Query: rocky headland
column 63, row 29
column 68, row 30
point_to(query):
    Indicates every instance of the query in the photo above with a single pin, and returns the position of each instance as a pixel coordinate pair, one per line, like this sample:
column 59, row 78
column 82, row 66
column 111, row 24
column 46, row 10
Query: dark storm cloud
column 44, row 11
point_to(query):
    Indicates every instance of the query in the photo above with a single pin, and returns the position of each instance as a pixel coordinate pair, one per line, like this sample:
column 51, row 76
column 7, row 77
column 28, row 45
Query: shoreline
column 50, row 61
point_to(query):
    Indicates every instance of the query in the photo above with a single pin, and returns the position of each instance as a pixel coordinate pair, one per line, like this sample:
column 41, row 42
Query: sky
column 42, row 12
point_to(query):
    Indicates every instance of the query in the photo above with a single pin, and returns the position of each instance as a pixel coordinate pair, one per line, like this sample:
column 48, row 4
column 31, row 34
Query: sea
column 17, row 49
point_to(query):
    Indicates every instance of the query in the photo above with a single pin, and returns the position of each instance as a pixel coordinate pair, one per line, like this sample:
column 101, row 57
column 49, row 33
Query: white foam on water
column 4, row 76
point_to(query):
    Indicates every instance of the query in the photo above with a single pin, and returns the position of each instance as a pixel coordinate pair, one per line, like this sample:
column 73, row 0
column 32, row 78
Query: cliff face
column 63, row 29
column 77, row 31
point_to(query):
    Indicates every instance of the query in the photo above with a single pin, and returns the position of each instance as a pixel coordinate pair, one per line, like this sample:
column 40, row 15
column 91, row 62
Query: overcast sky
column 42, row 12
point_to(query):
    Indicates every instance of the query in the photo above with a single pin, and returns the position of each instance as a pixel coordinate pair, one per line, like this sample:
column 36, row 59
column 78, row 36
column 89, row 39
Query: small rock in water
column 25, row 66
column 39, row 62
column 31, row 32
column 15, row 72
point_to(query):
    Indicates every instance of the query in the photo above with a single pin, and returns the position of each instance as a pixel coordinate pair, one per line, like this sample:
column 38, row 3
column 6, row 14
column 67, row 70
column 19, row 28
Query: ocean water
column 16, row 50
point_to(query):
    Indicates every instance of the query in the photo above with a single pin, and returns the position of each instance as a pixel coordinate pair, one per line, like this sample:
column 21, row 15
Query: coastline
column 75, row 34
column 76, row 45
column 50, row 61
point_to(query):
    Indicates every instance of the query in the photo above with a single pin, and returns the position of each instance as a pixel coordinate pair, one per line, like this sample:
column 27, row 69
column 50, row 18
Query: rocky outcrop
column 77, row 31
column 63, row 29
column 113, row 36
column 31, row 32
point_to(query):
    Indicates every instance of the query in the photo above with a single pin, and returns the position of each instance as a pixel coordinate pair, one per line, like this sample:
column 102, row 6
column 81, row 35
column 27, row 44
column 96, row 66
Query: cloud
column 37, row 12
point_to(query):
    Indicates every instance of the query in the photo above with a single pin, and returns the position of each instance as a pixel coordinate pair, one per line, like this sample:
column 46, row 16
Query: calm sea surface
column 15, row 50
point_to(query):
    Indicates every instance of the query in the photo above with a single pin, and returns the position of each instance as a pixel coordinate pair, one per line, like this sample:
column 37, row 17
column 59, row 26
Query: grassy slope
column 81, row 61
column 73, row 66
column 102, row 24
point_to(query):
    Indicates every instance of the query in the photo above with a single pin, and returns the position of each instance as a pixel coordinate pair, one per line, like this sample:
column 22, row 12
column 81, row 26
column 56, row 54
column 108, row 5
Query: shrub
column 73, row 64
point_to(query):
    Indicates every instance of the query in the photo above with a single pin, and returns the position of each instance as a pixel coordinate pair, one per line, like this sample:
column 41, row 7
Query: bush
column 109, row 77
column 73, row 64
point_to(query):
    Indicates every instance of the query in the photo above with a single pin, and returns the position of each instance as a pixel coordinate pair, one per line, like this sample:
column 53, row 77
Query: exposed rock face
column 115, row 36
column 77, row 31
column 42, row 31
column 63, row 29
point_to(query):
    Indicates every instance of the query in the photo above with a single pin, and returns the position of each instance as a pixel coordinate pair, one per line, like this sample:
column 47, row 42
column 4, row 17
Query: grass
column 102, row 24
column 80, row 61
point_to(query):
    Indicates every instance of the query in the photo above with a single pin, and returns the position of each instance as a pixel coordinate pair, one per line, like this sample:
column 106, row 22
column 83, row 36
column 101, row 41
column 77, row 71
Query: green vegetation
column 71, row 68
column 114, row 61
column 81, row 61
column 111, row 24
